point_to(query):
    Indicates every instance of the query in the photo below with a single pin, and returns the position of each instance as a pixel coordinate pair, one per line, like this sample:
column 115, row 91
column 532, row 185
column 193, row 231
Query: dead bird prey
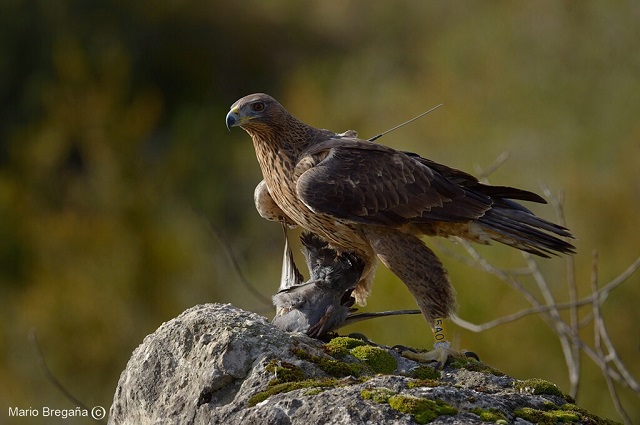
column 376, row 202
column 324, row 303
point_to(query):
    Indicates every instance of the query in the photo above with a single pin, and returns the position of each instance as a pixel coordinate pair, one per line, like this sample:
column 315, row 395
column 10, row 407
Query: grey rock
column 213, row 364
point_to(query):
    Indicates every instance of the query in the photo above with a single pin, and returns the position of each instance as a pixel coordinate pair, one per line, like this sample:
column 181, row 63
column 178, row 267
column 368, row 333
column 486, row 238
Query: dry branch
column 603, row 352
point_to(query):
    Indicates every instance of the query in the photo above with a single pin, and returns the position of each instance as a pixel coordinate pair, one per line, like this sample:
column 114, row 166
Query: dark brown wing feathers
column 366, row 182
column 470, row 182
column 370, row 183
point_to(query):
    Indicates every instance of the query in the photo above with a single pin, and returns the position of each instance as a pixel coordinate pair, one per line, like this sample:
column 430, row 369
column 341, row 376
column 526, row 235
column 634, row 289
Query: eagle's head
column 256, row 113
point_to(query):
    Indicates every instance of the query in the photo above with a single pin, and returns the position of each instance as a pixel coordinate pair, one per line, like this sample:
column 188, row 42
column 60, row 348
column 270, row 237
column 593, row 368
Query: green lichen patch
column 366, row 360
column 339, row 347
column 573, row 408
column 472, row 365
column 424, row 372
column 457, row 362
column 549, row 405
column 378, row 360
column 291, row 386
column 476, row 366
column 284, row 372
column 586, row 416
column 417, row 383
column 332, row 367
column 424, row 376
column 378, row 395
column 546, row 417
column 489, row 415
column 538, row 386
column 422, row 409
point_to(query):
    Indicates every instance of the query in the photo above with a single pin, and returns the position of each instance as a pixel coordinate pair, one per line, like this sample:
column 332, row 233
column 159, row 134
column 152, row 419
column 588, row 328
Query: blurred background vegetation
column 114, row 159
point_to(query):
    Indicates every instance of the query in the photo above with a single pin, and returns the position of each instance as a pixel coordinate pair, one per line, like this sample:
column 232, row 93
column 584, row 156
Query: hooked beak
column 233, row 119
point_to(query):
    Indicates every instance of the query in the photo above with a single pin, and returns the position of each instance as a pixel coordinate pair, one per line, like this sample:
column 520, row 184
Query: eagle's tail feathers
column 527, row 232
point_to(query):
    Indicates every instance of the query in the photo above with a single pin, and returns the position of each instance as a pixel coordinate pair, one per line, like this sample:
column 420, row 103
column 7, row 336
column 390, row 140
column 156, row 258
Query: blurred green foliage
column 114, row 161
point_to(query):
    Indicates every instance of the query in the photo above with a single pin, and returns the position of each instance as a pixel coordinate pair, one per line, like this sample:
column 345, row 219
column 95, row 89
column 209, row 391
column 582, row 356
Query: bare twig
column 489, row 268
column 520, row 314
column 603, row 293
column 484, row 173
column 234, row 263
column 626, row 274
column 603, row 353
column 598, row 331
column 42, row 362
column 566, row 332
column 572, row 287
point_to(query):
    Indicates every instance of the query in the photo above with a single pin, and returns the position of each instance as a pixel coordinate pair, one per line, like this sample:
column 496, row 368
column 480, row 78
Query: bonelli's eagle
column 376, row 202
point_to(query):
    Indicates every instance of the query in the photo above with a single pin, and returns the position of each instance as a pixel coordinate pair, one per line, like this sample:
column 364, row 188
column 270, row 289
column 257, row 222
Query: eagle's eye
column 257, row 106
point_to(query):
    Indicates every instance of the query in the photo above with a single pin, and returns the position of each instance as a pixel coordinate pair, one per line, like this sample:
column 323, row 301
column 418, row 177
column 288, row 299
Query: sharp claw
column 401, row 348
column 317, row 330
column 472, row 355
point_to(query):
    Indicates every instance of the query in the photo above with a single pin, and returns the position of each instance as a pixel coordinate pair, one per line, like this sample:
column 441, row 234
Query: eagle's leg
column 425, row 276
column 441, row 348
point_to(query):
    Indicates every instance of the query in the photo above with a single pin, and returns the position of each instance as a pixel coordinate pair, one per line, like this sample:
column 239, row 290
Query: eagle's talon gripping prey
column 323, row 303
column 376, row 202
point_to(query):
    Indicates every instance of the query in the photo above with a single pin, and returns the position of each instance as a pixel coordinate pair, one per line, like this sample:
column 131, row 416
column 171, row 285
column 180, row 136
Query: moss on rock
column 290, row 386
column 340, row 346
column 423, row 383
column 489, row 415
column 538, row 386
column 587, row 416
column 422, row 409
column 425, row 372
column 547, row 417
column 379, row 360
column 284, row 372
column 378, row 395
column 335, row 368
column 476, row 366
